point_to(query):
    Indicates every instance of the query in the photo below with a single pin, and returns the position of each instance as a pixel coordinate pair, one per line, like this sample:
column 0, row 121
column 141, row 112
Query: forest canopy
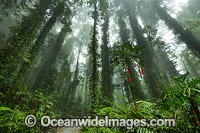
column 125, row 59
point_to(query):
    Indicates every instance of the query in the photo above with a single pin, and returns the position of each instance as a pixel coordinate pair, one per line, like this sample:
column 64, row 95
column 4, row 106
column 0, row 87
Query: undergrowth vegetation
column 179, row 101
column 27, row 102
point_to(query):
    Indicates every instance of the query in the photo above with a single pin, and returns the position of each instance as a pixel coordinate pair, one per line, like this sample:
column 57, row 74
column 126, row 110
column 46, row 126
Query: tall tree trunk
column 75, row 81
column 19, row 41
column 150, row 24
column 25, row 68
column 106, row 90
column 161, row 73
column 71, row 90
column 150, row 74
column 86, row 83
column 94, row 76
column 190, row 66
column 22, row 34
column 40, row 40
column 136, row 89
column 64, row 76
column 127, row 89
column 183, row 34
column 167, row 64
column 124, row 38
column 51, row 57
column 64, row 100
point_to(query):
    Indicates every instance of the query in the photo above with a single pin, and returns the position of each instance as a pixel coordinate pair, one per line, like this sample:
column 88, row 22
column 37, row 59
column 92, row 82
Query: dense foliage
column 125, row 59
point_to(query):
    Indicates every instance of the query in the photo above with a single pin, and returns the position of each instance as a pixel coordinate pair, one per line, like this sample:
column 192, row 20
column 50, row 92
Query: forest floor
column 69, row 130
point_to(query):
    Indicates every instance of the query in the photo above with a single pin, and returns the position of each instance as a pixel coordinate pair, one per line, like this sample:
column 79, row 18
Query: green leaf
column 1, row 77
column 1, row 94
column 188, row 92
column 5, row 109
column 196, row 90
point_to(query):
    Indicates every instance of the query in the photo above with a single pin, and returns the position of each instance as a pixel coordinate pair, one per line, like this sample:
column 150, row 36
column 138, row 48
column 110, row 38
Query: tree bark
column 151, row 78
column 75, row 81
column 190, row 65
column 51, row 57
column 167, row 64
column 136, row 89
column 39, row 42
column 183, row 34
column 19, row 41
column 106, row 90
column 94, row 76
